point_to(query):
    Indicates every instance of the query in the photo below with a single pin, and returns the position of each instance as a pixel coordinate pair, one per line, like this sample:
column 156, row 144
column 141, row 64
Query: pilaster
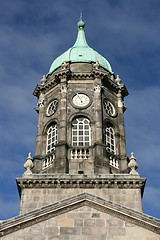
column 61, row 149
column 101, row 163
column 39, row 138
column 122, row 142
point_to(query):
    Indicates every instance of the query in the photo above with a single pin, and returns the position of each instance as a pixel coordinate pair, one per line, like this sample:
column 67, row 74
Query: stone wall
column 84, row 223
column 36, row 198
column 40, row 190
column 37, row 190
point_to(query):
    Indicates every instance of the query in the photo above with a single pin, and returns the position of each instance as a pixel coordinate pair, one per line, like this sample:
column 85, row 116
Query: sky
column 33, row 33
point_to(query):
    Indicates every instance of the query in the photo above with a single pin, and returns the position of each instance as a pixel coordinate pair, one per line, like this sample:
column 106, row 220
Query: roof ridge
column 77, row 201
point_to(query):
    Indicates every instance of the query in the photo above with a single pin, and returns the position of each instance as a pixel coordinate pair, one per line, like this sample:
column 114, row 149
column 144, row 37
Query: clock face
column 110, row 109
column 52, row 107
column 80, row 100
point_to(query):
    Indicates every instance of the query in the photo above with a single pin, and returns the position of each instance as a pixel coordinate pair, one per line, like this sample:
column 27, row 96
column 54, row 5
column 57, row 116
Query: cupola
column 80, row 53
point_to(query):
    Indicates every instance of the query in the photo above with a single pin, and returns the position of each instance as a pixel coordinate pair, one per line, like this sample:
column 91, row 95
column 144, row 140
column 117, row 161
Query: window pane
column 78, row 131
column 109, row 138
column 51, row 138
column 86, row 132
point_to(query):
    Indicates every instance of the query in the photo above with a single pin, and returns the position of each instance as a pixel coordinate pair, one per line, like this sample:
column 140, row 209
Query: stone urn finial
column 133, row 165
column 64, row 65
column 118, row 80
column 96, row 65
column 43, row 80
column 28, row 164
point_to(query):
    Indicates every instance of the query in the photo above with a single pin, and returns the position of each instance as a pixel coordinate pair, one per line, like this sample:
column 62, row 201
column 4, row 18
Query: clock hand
column 79, row 97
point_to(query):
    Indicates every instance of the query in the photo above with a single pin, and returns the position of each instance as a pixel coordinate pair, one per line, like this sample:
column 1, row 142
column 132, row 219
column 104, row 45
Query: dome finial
column 80, row 15
column 81, row 24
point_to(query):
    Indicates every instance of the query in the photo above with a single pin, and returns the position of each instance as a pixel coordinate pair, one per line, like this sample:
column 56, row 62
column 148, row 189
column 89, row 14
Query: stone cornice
column 82, row 75
column 90, row 75
column 39, row 88
column 115, row 86
column 123, row 181
column 75, row 202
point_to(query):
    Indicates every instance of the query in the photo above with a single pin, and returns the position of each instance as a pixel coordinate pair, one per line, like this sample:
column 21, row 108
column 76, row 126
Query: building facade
column 80, row 184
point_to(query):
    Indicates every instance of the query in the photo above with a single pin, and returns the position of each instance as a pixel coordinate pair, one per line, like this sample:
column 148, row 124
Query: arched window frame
column 109, row 138
column 81, row 132
column 52, row 138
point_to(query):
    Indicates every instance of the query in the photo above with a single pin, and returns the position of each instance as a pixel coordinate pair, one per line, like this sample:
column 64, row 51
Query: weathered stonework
column 84, row 216
column 99, row 84
column 39, row 190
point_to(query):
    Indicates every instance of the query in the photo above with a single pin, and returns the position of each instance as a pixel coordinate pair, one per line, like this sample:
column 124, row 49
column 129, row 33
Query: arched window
column 51, row 138
column 81, row 132
column 109, row 138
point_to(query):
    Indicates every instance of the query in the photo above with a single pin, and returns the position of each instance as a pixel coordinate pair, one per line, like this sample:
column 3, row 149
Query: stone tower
column 80, row 107
column 79, row 184
column 80, row 144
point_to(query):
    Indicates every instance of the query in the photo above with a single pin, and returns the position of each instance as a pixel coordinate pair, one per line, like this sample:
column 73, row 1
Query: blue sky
column 34, row 32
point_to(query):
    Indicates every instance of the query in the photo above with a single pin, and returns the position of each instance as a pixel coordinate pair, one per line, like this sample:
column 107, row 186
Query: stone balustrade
column 80, row 153
column 113, row 160
column 48, row 160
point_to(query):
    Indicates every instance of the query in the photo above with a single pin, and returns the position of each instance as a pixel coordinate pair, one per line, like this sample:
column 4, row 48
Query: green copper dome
column 80, row 52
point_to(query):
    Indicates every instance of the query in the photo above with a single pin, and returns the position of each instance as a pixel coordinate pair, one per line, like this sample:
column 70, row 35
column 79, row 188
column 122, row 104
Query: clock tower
column 80, row 115
column 80, row 144
column 80, row 184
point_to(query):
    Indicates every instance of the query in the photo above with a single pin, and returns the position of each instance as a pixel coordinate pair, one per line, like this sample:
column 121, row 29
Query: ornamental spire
column 81, row 24
column 81, row 40
column 80, row 15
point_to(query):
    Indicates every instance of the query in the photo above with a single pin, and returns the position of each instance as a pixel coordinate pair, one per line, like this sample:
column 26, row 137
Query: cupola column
column 98, row 111
column 61, row 150
column 101, row 164
column 39, row 140
column 123, row 156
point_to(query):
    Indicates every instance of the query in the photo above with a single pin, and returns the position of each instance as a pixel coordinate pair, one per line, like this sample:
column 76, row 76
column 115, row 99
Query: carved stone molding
column 96, row 65
column 63, row 88
column 61, row 183
column 41, row 100
column 82, row 75
column 85, row 181
column 47, row 85
column 97, row 89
